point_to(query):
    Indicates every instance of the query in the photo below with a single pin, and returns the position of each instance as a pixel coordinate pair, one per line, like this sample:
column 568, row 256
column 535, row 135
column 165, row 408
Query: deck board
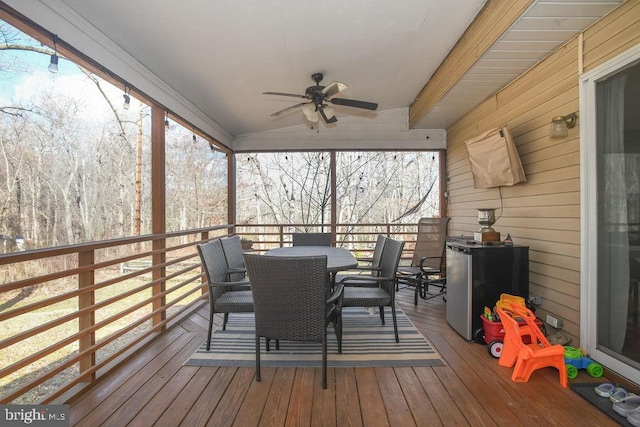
column 370, row 396
column 323, row 412
column 252, row 407
column 154, row 388
column 275, row 410
column 157, row 405
column 209, row 399
column 299, row 411
column 417, row 398
column 186, row 398
column 395, row 402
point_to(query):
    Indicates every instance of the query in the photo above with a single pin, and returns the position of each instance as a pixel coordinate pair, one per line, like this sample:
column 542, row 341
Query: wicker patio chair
column 373, row 264
column 380, row 290
column 234, row 256
column 428, row 263
column 224, row 296
column 291, row 302
column 370, row 265
column 311, row 239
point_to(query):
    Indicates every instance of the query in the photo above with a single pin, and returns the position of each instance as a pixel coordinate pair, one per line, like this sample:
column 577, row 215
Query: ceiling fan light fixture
column 329, row 112
column 313, row 117
column 308, row 109
column 310, row 112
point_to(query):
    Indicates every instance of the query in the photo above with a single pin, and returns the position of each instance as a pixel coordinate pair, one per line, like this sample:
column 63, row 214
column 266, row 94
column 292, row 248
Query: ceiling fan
column 318, row 97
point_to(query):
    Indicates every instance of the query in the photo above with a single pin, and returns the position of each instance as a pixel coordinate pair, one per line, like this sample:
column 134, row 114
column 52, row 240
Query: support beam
column 490, row 24
column 231, row 190
column 442, row 155
column 334, row 199
column 158, row 208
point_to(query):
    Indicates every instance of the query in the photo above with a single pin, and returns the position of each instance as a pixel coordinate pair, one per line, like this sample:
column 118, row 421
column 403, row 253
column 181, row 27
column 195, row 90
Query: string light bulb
column 166, row 121
column 127, row 99
column 53, row 63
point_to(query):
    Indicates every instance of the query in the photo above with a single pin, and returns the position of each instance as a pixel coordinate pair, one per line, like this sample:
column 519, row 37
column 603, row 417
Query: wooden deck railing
column 359, row 238
column 70, row 314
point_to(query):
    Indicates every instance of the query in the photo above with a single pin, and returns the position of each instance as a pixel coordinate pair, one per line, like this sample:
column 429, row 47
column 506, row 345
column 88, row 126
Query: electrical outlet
column 554, row 321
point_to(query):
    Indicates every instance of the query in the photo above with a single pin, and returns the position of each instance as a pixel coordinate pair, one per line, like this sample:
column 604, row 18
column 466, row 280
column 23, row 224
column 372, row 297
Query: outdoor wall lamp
column 560, row 125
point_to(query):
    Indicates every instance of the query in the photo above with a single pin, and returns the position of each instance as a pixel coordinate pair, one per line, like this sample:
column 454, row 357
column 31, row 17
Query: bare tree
column 372, row 187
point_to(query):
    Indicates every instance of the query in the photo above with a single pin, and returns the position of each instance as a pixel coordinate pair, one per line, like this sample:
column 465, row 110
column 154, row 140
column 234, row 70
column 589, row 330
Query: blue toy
column 576, row 359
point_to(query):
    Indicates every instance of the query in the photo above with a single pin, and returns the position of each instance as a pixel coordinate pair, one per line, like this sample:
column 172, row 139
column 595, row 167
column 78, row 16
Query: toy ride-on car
column 575, row 359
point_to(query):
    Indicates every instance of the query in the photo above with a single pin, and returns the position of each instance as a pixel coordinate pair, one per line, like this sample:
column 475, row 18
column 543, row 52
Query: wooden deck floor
column 155, row 389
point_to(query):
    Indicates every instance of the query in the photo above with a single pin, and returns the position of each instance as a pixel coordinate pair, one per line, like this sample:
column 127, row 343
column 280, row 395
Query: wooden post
column 334, row 207
column 158, row 208
column 231, row 191
column 138, row 201
column 442, row 173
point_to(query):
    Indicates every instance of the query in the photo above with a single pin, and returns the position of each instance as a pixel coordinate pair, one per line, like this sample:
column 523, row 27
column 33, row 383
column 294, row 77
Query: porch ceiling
column 210, row 61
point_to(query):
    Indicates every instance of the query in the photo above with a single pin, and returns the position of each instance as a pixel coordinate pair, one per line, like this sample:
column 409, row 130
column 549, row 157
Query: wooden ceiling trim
column 493, row 20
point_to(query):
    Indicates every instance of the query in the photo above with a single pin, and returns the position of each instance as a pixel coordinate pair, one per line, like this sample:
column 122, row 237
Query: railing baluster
column 159, row 274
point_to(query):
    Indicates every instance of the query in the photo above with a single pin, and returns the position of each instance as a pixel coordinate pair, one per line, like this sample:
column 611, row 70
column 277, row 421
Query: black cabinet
column 476, row 277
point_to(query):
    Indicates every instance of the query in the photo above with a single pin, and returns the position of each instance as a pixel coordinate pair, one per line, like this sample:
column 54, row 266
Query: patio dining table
column 338, row 259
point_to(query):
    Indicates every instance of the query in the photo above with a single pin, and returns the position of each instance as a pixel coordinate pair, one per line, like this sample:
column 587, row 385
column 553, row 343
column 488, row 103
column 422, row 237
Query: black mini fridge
column 477, row 275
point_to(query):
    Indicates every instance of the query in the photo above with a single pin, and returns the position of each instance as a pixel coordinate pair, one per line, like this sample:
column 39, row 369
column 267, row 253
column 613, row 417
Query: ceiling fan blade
column 293, row 107
column 354, row 103
column 326, row 119
column 285, row 94
column 334, row 88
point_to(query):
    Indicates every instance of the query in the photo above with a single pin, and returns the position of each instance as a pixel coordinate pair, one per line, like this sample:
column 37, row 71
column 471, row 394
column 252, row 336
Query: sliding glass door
column 611, row 181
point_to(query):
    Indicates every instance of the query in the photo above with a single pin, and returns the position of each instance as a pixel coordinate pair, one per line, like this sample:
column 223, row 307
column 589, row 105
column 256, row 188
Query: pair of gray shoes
column 629, row 407
column 624, row 403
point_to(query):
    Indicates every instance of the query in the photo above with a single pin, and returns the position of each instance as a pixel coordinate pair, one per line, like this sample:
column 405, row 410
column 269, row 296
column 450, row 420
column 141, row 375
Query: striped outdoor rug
column 365, row 342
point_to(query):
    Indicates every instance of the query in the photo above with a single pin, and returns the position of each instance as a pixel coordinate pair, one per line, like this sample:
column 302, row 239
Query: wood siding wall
column 544, row 212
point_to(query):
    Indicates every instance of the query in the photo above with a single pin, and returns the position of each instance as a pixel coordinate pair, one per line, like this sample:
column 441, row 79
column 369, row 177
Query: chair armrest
column 430, row 270
column 227, row 284
column 236, row 270
column 337, row 294
column 372, row 279
column 358, row 279
column 368, row 268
